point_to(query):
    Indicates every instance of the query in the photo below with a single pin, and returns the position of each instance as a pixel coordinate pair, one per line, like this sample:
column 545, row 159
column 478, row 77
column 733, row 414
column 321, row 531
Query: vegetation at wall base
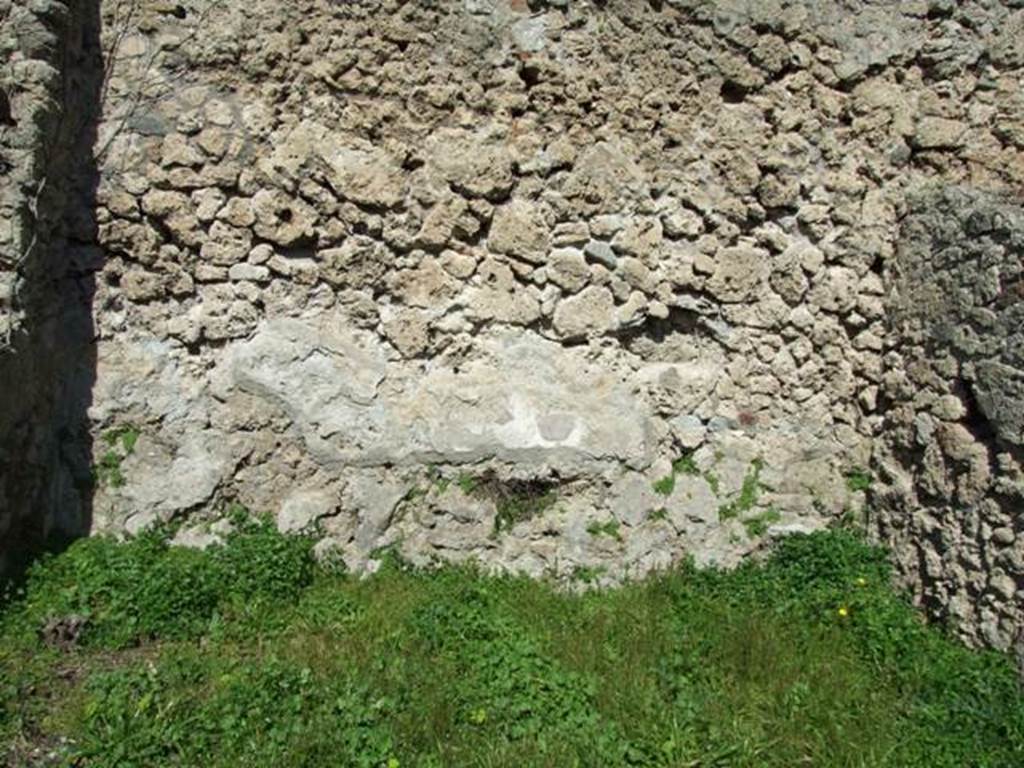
column 249, row 654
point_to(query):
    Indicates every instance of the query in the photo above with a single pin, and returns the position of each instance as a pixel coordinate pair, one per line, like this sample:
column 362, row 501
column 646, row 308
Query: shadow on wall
column 46, row 478
column 950, row 453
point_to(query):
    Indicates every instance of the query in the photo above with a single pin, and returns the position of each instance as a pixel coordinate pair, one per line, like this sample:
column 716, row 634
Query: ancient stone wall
column 566, row 287
column 49, row 77
column 951, row 495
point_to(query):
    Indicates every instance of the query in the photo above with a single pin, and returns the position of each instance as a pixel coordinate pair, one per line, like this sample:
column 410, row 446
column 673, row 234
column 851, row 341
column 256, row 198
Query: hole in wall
column 975, row 419
column 655, row 336
column 515, row 500
column 6, row 117
column 939, row 11
column 732, row 92
column 413, row 163
column 878, row 265
column 530, row 75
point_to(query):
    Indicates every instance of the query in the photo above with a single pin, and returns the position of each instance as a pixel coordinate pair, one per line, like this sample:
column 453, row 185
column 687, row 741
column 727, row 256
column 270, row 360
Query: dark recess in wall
column 48, row 374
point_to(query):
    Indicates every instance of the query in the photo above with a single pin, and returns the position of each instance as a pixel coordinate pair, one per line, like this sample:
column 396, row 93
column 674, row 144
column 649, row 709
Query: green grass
column 515, row 508
column 515, row 501
column 249, row 655
column 684, row 465
column 858, row 480
column 748, row 494
column 609, row 528
column 758, row 524
column 467, row 483
column 665, row 485
column 713, row 482
column 658, row 514
column 120, row 444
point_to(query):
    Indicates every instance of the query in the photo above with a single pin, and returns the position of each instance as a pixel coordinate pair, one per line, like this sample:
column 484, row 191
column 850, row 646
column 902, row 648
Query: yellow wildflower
column 843, row 611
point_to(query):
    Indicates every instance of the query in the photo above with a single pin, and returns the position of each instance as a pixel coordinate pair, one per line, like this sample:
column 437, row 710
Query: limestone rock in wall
column 521, row 400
